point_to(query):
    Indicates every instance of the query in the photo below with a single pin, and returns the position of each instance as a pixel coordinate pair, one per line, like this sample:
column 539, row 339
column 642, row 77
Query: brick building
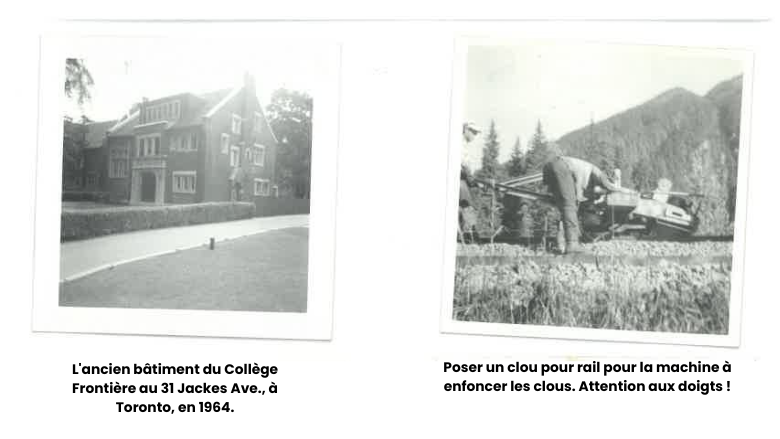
column 85, row 169
column 185, row 148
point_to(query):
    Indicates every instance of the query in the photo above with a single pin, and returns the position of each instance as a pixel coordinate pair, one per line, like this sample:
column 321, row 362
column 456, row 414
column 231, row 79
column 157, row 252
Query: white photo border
column 48, row 316
column 449, row 325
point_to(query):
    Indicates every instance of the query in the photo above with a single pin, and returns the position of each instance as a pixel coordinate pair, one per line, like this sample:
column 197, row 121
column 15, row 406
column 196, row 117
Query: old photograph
column 186, row 175
column 598, row 188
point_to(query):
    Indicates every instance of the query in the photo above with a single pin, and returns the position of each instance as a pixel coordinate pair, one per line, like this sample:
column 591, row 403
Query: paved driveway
column 78, row 258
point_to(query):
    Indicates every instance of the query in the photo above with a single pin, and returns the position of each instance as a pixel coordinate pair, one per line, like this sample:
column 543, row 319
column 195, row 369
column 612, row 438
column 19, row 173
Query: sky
column 124, row 77
column 564, row 85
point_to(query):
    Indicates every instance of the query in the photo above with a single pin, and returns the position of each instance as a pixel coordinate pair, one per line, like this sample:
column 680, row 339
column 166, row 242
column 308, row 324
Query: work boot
column 575, row 247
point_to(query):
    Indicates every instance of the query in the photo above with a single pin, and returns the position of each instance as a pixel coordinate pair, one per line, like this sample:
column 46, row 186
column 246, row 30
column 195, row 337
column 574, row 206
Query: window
column 184, row 142
column 164, row 111
column 248, row 155
column 175, row 143
column 235, row 156
column 262, row 187
column 184, row 182
column 258, row 122
column 118, row 166
column 92, row 179
column 259, row 155
column 275, row 191
column 148, row 145
column 225, row 143
column 236, row 124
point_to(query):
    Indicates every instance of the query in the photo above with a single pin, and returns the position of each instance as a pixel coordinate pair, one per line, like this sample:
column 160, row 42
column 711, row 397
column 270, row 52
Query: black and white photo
column 188, row 170
column 600, row 191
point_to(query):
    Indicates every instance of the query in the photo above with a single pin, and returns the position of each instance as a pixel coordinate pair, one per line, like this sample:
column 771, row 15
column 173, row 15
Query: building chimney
column 142, row 110
column 249, row 82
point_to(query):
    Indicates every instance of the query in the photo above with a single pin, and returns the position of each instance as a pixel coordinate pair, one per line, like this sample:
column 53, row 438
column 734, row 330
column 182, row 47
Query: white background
column 381, row 375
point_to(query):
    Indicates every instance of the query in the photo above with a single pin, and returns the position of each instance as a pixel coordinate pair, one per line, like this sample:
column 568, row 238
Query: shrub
column 81, row 224
column 98, row 197
column 270, row 206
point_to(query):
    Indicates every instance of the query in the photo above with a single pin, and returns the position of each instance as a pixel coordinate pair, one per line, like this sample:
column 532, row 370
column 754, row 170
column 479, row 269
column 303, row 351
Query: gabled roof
column 224, row 99
column 211, row 103
column 211, row 100
column 125, row 126
column 96, row 133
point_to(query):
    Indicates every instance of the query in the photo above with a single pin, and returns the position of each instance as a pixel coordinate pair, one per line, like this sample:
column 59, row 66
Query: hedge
column 96, row 196
column 269, row 206
column 89, row 223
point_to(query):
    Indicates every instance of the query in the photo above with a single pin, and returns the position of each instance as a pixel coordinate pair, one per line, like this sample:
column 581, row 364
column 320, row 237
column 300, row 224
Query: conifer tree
column 537, row 150
column 516, row 165
column 491, row 168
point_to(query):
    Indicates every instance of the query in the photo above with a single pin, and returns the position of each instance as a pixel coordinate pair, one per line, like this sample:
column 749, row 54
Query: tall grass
column 670, row 298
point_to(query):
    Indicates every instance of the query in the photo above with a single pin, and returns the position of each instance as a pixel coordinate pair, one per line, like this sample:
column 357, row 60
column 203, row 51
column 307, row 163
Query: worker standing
column 571, row 180
column 467, row 217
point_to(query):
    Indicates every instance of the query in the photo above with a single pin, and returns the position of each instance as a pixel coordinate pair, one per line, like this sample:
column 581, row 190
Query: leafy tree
column 73, row 144
column 290, row 116
column 78, row 80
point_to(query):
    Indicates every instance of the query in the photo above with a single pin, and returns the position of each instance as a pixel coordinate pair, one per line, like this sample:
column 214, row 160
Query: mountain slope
column 690, row 139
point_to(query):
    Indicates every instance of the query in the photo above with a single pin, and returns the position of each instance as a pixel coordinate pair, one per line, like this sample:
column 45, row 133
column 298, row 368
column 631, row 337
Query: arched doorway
column 148, row 187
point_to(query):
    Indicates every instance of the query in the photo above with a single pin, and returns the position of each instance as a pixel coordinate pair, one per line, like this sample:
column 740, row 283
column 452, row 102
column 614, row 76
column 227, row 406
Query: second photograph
column 599, row 191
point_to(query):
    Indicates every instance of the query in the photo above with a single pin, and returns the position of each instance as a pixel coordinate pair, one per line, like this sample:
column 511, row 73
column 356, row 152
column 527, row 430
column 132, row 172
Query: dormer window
column 167, row 111
column 236, row 125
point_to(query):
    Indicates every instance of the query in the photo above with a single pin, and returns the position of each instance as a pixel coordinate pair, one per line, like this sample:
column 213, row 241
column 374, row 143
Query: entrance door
column 235, row 191
column 148, row 187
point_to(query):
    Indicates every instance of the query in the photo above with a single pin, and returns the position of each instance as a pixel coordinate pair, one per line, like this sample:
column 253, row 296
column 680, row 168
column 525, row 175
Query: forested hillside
column 691, row 140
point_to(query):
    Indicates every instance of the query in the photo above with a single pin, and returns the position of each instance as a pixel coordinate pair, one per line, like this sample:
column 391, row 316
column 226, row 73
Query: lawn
column 263, row 272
